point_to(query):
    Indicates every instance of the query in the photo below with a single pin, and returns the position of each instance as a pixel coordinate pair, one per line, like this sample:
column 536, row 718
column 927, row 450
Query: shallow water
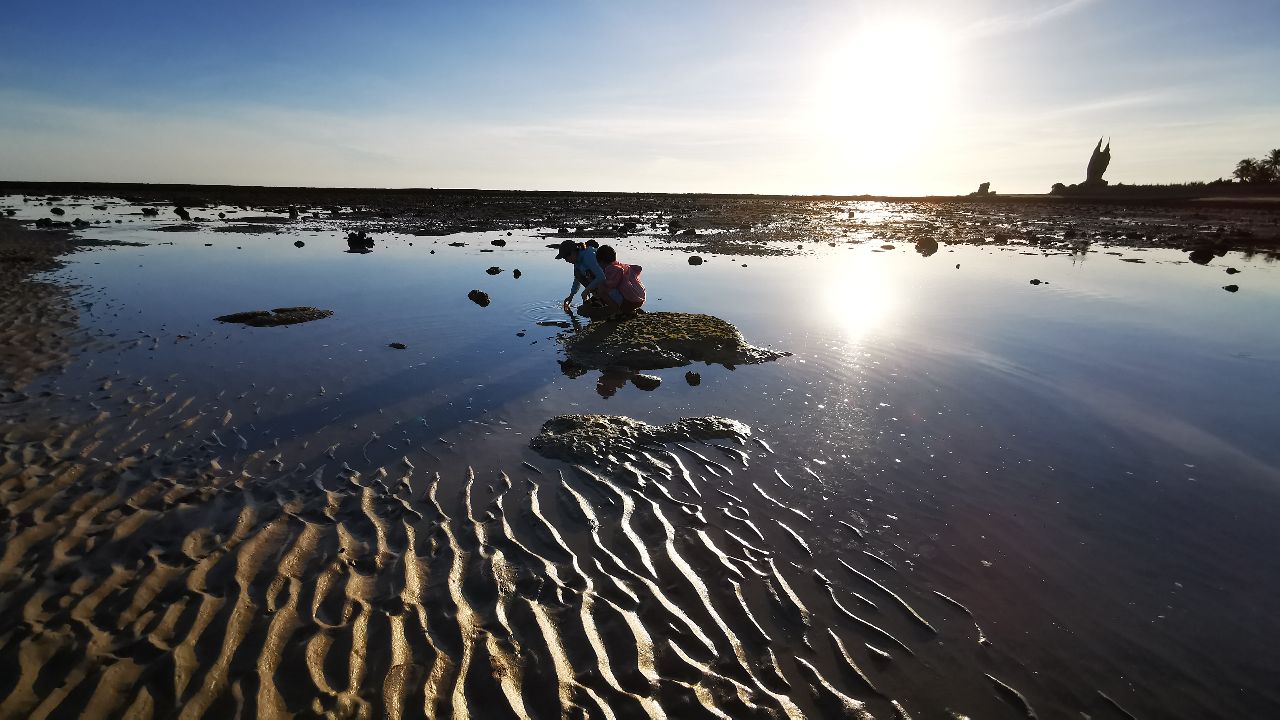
column 1088, row 465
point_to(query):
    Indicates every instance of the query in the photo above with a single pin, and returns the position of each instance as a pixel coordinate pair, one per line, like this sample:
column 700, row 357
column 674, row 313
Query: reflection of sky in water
column 1093, row 439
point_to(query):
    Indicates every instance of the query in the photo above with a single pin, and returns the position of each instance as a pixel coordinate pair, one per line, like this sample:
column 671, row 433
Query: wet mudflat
column 961, row 493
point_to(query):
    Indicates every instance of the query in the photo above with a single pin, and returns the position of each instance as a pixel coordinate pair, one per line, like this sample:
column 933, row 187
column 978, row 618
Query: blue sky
column 803, row 97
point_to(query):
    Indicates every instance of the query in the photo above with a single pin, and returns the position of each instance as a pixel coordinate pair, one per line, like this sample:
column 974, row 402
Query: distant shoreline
column 1228, row 195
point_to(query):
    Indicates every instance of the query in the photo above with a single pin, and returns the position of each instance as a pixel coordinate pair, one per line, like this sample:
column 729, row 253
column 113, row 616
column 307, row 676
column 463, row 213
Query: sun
column 884, row 95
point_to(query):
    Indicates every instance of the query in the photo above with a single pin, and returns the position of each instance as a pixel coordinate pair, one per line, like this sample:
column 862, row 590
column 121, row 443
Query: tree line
column 1259, row 170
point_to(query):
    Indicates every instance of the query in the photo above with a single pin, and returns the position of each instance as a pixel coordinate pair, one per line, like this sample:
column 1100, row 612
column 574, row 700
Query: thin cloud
column 1017, row 22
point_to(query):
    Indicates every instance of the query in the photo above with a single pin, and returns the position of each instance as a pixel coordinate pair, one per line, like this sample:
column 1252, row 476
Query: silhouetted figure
column 1098, row 163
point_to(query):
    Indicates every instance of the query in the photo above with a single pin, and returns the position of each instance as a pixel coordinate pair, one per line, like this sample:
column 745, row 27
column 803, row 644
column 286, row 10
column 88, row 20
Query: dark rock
column 926, row 246
column 562, row 231
column 499, row 242
column 516, row 273
column 1232, row 271
column 10, row 212
column 457, row 244
column 298, row 243
column 293, row 213
column 479, row 297
column 1035, row 281
column 886, row 247
column 277, row 317
column 695, row 260
column 398, row 346
column 1231, row 288
column 693, row 378
column 58, row 211
column 222, row 216
column 688, row 231
column 80, row 223
column 182, row 213
column 494, row 270
column 99, row 207
column 150, row 212
column 359, row 242
column 648, row 383
column 1201, row 256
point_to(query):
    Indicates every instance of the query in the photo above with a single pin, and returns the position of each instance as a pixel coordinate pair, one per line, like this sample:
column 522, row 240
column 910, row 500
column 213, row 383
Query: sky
column 859, row 96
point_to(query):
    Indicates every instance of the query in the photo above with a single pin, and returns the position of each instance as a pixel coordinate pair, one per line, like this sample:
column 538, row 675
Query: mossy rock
column 650, row 341
column 273, row 318
column 600, row 439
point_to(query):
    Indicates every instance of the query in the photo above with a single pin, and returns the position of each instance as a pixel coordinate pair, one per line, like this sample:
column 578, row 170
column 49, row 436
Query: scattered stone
column 495, row 270
column 516, row 273
column 182, row 213
column 11, row 212
column 1232, row 271
column 1035, row 281
column 277, row 317
column 58, row 211
column 479, row 297
column 695, row 260
column 79, row 223
column 150, row 212
column 457, row 244
column 1231, row 288
column 99, row 207
column 299, row 243
column 926, row 246
column 222, row 216
column 694, row 379
column 1201, row 256
column 397, row 346
column 499, row 242
column 293, row 213
column 359, row 242
column 648, row 383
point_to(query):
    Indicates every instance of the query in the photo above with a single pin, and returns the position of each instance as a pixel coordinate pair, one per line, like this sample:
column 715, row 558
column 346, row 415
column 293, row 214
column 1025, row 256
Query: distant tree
column 1246, row 170
column 1272, row 161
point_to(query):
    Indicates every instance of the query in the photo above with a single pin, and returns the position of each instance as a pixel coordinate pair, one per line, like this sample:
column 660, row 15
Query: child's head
column 606, row 255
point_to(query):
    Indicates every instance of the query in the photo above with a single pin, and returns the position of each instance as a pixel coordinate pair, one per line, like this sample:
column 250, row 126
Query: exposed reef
column 273, row 318
column 651, row 341
column 606, row 439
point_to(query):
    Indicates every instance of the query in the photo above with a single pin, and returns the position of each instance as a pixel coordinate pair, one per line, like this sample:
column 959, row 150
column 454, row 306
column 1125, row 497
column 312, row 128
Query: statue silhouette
column 1098, row 163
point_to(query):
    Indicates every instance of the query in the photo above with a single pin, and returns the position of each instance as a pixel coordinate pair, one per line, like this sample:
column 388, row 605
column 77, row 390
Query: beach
column 955, row 458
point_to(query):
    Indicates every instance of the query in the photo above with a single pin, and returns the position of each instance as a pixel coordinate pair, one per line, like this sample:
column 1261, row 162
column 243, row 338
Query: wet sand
column 161, row 558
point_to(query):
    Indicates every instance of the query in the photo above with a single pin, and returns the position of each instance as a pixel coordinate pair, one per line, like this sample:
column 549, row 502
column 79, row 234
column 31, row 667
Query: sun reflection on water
column 859, row 294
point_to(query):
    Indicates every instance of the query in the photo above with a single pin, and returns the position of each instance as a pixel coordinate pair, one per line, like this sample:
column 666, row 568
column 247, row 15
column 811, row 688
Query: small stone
column 516, row 273
column 1232, row 271
column 695, row 260
column 494, row 270
column 479, row 297
column 298, row 243
column 648, row 383
column 397, row 346
column 1035, row 281
column 499, row 242
column 1231, row 288
column 694, row 379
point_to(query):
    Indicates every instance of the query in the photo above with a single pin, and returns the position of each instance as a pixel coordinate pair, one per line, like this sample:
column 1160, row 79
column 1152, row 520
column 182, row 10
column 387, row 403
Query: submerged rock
column 398, row 346
column 1201, row 256
column 516, row 273
column 693, row 378
column 1231, row 288
column 695, row 260
column 273, row 318
column 651, row 341
column 299, row 243
column 479, row 297
column 495, row 270
column 594, row 439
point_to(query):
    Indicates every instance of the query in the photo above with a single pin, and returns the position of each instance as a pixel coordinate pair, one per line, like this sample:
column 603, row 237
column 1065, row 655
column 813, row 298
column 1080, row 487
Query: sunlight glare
column 884, row 97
